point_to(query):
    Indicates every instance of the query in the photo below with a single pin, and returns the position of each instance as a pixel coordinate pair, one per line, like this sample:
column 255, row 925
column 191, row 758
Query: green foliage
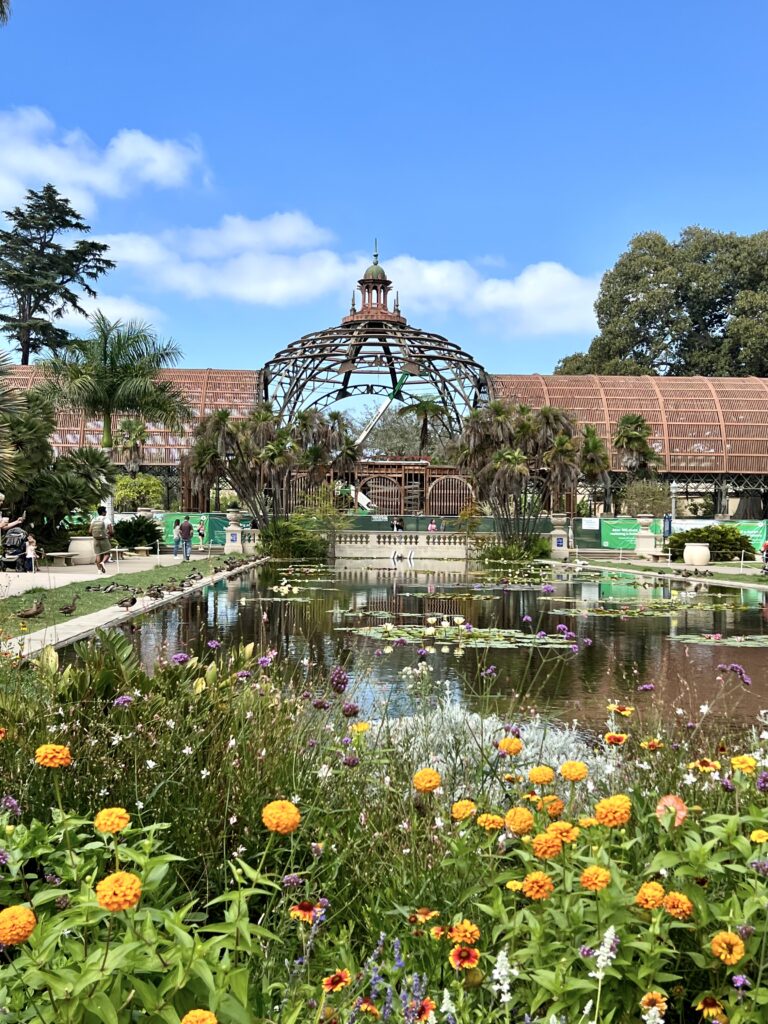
column 286, row 538
column 725, row 542
column 43, row 279
column 141, row 530
column 695, row 306
column 516, row 550
column 645, row 496
column 15, row 419
column 140, row 491
column 398, row 434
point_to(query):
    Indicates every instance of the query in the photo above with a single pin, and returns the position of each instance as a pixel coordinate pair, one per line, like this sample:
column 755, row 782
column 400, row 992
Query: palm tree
column 132, row 436
column 562, row 465
column 595, row 463
column 5, row 11
column 425, row 409
column 548, row 422
column 11, row 403
column 638, row 458
column 116, row 369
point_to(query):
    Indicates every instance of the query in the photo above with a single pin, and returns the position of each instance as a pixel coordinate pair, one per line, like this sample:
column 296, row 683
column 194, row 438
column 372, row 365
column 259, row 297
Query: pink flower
column 672, row 803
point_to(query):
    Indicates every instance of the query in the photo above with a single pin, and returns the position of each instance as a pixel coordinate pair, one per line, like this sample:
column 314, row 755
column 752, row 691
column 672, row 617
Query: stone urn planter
column 233, row 516
column 696, row 554
column 559, row 520
column 645, row 519
column 81, row 549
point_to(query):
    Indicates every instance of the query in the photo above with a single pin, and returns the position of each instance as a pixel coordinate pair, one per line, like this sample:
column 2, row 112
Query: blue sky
column 240, row 157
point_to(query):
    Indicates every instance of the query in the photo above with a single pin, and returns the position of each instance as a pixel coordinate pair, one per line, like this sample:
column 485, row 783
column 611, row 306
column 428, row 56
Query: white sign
column 590, row 523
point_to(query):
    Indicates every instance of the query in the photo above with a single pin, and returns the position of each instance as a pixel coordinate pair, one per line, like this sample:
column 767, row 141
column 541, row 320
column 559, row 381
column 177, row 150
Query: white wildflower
column 204, row 773
column 447, row 1005
column 704, row 709
column 151, row 764
column 501, row 976
column 606, row 953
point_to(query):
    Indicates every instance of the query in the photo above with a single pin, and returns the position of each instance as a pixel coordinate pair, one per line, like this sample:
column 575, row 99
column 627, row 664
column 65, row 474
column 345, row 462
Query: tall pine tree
column 40, row 276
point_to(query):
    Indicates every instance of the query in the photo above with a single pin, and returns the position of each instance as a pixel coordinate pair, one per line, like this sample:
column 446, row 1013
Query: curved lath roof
column 699, row 424
column 206, row 391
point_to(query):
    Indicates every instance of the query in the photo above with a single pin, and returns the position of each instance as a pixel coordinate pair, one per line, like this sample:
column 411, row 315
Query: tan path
column 724, row 574
column 70, row 630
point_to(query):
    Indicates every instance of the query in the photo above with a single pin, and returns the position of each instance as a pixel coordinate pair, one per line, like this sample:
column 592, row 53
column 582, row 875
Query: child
column 30, row 553
column 176, row 538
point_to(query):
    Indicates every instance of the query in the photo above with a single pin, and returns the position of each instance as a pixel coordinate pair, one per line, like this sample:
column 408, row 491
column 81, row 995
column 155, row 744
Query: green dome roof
column 375, row 273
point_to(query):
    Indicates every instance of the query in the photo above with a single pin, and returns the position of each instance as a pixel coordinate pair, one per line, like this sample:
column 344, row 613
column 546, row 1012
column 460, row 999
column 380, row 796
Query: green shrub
column 131, row 533
column 516, row 550
column 284, row 538
column 725, row 542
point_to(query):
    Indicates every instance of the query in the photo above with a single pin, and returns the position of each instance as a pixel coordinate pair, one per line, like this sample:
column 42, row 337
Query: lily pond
column 564, row 642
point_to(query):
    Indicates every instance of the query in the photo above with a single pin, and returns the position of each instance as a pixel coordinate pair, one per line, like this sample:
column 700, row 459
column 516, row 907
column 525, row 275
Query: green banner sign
column 620, row 534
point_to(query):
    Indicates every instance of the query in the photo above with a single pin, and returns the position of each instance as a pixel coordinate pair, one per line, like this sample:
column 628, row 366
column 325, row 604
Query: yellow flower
column 337, row 981
column 588, row 822
column 112, row 819
column 490, row 822
column 463, row 809
column 573, row 771
column 541, row 775
column 519, row 820
column 744, row 763
column 728, row 947
column 678, row 905
column 759, row 835
column 426, row 780
column 595, row 878
column 709, row 1007
column 465, row 933
column 463, row 958
column 538, row 885
column 652, row 744
column 705, row 766
column 546, row 846
column 650, row 895
column 616, row 739
column 16, row 925
column 281, row 816
column 514, row 885
column 53, row 755
column 564, row 830
column 614, row 811
column 625, row 710
column 510, row 745
column 199, row 1017
column 358, row 727
column 654, row 1001
column 118, row 891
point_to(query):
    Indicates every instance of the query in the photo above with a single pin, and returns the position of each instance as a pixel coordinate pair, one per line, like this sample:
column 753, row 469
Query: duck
column 33, row 612
column 68, row 609
column 127, row 602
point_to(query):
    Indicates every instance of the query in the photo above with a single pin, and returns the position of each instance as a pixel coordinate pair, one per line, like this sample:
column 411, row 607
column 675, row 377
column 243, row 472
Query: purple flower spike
column 214, row 645
column 180, row 659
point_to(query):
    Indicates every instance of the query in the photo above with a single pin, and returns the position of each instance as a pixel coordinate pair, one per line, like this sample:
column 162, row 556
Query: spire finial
column 397, row 302
column 375, row 251
column 352, row 306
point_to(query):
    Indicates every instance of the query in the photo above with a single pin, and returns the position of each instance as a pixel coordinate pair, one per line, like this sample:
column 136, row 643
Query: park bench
column 60, row 558
column 143, row 550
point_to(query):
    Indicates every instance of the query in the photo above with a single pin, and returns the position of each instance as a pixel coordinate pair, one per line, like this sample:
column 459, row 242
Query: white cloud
column 33, row 151
column 283, row 260
column 114, row 307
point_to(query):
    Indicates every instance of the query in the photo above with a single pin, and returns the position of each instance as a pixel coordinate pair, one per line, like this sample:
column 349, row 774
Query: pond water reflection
column 631, row 626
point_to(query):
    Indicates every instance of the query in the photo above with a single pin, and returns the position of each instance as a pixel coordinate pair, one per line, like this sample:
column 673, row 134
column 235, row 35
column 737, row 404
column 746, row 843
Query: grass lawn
column 663, row 569
column 90, row 601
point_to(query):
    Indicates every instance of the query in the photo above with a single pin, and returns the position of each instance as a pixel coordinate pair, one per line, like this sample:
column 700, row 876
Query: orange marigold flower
column 650, row 895
column 119, row 891
column 678, row 905
column 426, row 780
column 595, row 878
column 541, row 775
column 304, row 911
column 424, row 1009
column 759, row 835
column 654, row 1001
column 510, row 746
column 671, row 803
column 728, row 947
column 744, row 763
column 367, row 1005
column 553, row 805
column 112, row 819
column 546, row 846
column 337, row 981
column 199, row 1017
column 564, row 830
column 490, row 822
column 281, row 816
column 652, row 744
column 537, row 885
column 588, row 822
column 710, row 1007
column 614, row 811
column 53, row 755
column 16, row 925
column 625, row 710
column 423, row 914
column 465, row 933
column 705, row 766
column 437, row 931
column 519, row 820
column 616, row 739
column 463, row 958
column 573, row 771
column 463, row 809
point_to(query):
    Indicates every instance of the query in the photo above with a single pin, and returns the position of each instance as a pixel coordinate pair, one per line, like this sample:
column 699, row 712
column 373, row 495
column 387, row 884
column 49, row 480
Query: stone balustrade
column 372, row 544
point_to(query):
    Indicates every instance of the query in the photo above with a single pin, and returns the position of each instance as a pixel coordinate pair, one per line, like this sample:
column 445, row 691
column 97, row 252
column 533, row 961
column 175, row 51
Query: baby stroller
column 14, row 549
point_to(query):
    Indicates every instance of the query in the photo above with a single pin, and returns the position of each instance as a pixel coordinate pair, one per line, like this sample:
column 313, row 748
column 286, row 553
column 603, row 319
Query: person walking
column 432, row 528
column 101, row 531
column 30, row 553
column 185, row 529
column 201, row 533
column 176, row 538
